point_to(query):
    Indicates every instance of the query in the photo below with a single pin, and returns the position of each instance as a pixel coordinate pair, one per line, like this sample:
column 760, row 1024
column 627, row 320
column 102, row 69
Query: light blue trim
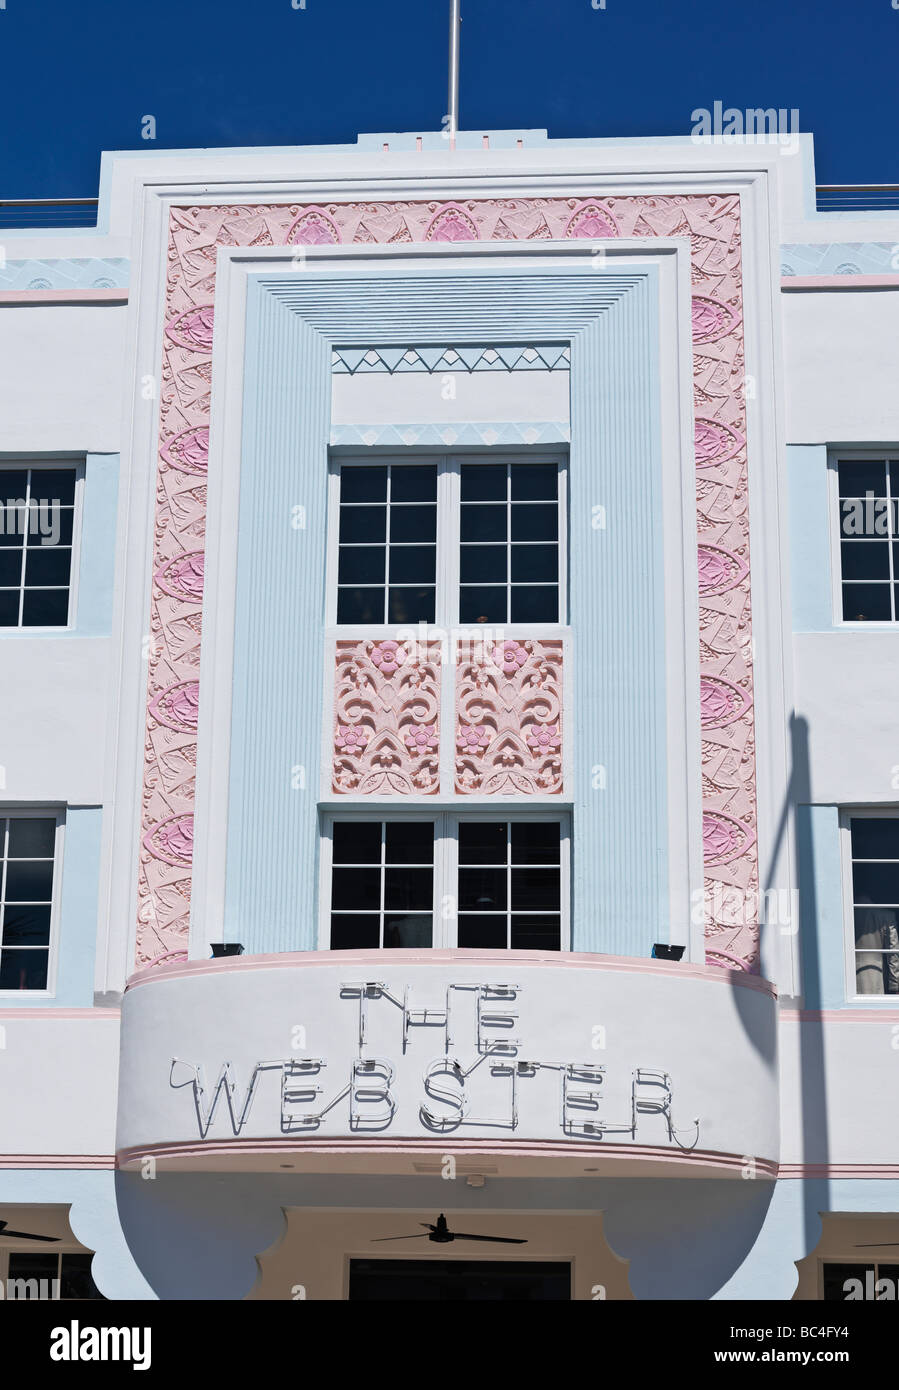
column 96, row 576
column 451, row 434
column 840, row 258
column 821, row 922
column 81, row 273
column 78, row 915
column 481, row 357
column 615, row 676
column 810, row 548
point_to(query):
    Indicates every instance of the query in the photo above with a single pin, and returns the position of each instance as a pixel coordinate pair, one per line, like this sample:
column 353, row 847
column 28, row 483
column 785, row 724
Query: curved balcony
column 385, row 1061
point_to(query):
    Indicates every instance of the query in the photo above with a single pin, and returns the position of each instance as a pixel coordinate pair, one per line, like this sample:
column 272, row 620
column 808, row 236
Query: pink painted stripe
column 10, row 1015
column 839, row 282
column 507, row 1148
column 109, row 296
column 838, row 1170
column 506, row 960
column 57, row 1161
column 872, row 1015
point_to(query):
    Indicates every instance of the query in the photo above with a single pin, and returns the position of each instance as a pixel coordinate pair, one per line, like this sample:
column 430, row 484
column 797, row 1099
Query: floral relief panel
column 509, row 719
column 386, row 719
column 499, row 725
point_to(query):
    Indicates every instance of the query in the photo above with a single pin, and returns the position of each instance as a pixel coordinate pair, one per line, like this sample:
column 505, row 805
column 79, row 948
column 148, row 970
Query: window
column 57, row 1275
column 867, row 502
column 874, row 849
column 447, row 880
column 841, row 1282
column 471, row 540
column 37, row 511
column 28, row 845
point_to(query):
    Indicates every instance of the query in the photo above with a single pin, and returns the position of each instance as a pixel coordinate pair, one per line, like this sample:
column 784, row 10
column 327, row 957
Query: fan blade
column 416, row 1236
column 879, row 1245
column 497, row 1240
column 26, row 1235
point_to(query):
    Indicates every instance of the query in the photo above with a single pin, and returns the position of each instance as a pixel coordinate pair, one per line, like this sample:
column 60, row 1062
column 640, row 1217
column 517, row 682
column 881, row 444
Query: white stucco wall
column 61, row 377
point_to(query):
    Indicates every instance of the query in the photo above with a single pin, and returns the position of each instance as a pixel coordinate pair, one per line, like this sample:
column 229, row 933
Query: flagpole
column 454, row 35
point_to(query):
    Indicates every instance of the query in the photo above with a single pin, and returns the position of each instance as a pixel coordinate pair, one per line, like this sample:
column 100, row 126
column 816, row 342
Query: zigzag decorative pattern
column 504, row 357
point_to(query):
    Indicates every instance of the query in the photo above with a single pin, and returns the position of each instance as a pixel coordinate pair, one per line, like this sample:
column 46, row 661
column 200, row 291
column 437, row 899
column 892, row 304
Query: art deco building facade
column 467, row 580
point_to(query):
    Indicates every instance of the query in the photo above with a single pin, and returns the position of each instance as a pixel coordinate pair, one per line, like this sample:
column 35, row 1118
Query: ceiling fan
column 442, row 1235
column 22, row 1235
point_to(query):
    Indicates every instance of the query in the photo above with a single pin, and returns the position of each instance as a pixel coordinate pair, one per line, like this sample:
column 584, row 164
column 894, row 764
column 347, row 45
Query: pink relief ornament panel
column 387, row 719
column 712, row 225
column 509, row 719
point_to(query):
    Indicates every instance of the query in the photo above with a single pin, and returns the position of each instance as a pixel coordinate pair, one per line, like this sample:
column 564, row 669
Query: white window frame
column 42, row 463
column 847, row 814
column 56, row 813
column 834, row 458
column 446, row 861
column 446, row 611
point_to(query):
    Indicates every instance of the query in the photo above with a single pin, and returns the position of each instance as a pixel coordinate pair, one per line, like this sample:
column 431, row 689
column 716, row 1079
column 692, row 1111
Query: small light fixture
column 660, row 951
column 475, row 1180
column 226, row 948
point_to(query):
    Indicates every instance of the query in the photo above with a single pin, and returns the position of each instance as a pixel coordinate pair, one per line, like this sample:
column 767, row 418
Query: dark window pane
column 484, row 523
column 29, row 880
column 534, row 482
column 53, row 485
column 535, row 521
column 535, row 563
column 349, row 933
column 50, row 526
column 868, row 603
column 414, row 483
column 410, row 842
column 13, row 526
column 45, row 608
column 482, row 933
column 894, row 477
column 875, row 837
column 538, row 889
column 356, row 842
column 836, row 1276
column 9, row 607
column 483, row 482
column 360, row 605
column 23, row 969
column 11, row 566
column 365, row 524
column 13, row 482
column 365, row 484
column 858, row 476
column 413, row 523
column 413, row 564
column 76, row 1280
column 481, row 603
column 28, row 1265
column 356, row 889
column 31, row 838
column 874, row 883
column 482, row 564
column 535, row 842
column 482, row 890
column 533, row 933
column 482, row 842
column 407, row 931
column 24, row 925
column 363, row 564
column 874, row 927
column 48, row 565
column 865, row 559
column 537, row 604
column 409, row 889
column 412, row 605
column 868, row 517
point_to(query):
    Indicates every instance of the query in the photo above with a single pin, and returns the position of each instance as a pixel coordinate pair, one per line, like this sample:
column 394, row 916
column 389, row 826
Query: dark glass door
column 438, row 1281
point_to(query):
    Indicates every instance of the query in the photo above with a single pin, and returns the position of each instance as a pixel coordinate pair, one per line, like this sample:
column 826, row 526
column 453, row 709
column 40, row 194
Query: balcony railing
column 857, row 197
column 24, row 213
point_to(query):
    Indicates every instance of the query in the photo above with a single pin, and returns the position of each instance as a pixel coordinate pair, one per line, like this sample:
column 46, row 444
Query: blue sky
column 78, row 77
